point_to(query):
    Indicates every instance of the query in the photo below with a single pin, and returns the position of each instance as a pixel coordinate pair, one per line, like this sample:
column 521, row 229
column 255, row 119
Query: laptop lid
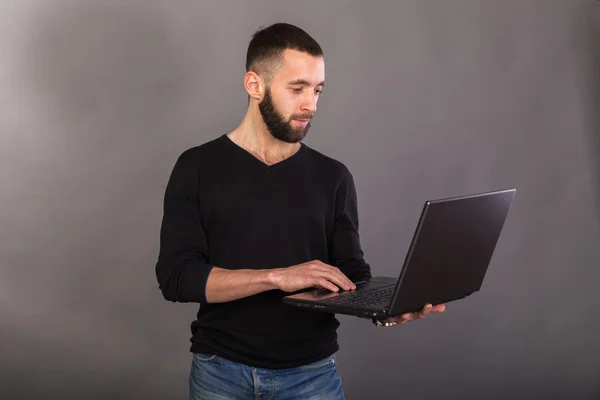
column 451, row 249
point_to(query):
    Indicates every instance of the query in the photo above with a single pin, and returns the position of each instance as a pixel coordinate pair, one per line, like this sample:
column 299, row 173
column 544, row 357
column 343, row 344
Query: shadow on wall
column 591, row 49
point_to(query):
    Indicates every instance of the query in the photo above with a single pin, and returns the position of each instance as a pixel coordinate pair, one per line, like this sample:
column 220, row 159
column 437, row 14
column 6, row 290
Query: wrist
column 271, row 278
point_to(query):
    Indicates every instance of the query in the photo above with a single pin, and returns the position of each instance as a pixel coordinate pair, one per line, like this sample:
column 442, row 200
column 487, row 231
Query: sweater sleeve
column 345, row 250
column 182, row 269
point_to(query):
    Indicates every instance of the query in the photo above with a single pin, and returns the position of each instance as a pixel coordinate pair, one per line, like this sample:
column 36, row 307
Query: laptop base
column 317, row 299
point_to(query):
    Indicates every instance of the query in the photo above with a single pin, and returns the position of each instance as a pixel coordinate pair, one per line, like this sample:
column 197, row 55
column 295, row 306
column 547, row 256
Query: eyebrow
column 304, row 82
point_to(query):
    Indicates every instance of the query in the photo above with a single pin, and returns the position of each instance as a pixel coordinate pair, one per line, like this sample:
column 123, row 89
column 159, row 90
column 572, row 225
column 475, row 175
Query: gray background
column 424, row 99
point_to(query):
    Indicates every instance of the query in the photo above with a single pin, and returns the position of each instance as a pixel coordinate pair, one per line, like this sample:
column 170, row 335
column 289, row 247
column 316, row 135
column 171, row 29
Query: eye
column 296, row 90
column 319, row 91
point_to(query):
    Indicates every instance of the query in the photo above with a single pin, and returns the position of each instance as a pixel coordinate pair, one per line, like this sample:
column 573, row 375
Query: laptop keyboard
column 364, row 298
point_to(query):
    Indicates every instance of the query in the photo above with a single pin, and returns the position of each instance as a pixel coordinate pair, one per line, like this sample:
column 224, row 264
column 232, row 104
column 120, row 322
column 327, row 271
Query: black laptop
column 447, row 260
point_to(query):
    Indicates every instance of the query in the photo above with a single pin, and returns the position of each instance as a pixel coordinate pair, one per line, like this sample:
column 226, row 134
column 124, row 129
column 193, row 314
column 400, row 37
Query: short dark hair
column 267, row 45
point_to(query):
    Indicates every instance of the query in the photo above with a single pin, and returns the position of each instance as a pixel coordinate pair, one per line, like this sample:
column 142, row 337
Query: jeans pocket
column 204, row 357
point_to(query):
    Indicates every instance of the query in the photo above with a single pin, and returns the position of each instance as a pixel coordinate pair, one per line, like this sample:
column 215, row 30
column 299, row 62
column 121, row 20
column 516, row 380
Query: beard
column 280, row 128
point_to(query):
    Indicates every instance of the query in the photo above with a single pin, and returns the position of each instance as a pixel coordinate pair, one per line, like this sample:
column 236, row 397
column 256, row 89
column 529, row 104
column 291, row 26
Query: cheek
column 287, row 107
column 286, row 103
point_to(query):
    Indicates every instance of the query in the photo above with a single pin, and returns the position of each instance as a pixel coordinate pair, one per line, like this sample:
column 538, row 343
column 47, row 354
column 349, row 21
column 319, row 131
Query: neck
column 253, row 136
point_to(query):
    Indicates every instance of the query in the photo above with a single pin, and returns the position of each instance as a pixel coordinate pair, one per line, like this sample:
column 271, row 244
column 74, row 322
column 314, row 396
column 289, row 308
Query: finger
column 350, row 284
column 324, row 283
column 438, row 308
column 347, row 283
column 425, row 311
column 408, row 316
column 397, row 320
column 414, row 315
column 339, row 278
column 335, row 278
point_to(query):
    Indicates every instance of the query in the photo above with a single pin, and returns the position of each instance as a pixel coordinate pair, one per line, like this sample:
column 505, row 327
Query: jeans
column 215, row 378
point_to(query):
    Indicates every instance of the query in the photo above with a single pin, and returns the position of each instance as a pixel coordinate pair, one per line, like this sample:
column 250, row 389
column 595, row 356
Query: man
column 256, row 214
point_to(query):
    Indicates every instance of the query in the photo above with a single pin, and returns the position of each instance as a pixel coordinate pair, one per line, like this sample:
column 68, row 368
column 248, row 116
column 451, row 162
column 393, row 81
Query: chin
column 291, row 136
column 298, row 138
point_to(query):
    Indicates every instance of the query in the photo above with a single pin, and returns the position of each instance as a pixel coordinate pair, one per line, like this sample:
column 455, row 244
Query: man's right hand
column 311, row 274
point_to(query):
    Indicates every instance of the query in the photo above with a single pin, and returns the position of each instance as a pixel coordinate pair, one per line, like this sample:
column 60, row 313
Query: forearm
column 225, row 285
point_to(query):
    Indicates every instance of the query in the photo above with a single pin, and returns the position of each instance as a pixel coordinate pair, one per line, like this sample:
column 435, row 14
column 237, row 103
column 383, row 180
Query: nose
column 309, row 103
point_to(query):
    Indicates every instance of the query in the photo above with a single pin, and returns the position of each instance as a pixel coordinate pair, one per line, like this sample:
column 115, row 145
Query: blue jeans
column 215, row 378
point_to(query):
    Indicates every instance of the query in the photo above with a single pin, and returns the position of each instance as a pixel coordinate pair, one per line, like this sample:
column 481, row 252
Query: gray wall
column 424, row 99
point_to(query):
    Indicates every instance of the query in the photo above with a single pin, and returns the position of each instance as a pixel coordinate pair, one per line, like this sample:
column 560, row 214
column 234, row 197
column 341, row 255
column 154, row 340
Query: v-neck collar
column 261, row 163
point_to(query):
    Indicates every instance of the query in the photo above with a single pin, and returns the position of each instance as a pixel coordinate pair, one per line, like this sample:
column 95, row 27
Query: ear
column 254, row 85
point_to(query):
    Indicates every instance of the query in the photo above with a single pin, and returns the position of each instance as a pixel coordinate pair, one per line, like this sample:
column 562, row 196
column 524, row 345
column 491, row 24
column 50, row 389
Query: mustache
column 302, row 117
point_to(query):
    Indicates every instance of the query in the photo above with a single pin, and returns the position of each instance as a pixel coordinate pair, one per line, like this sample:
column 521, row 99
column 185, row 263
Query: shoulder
column 328, row 165
column 197, row 155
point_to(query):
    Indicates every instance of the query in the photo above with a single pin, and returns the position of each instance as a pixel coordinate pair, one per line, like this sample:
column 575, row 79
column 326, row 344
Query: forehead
column 298, row 65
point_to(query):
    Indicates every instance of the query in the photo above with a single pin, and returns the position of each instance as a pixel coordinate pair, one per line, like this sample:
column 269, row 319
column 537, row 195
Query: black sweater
column 224, row 207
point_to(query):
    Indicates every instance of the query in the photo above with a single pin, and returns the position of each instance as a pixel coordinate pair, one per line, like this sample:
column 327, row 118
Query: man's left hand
column 402, row 319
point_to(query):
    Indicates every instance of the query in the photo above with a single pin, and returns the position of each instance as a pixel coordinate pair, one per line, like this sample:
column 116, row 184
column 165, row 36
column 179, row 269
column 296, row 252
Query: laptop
column 447, row 260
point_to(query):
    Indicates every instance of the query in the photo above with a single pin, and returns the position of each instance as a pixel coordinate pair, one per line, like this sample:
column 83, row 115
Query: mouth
column 301, row 122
